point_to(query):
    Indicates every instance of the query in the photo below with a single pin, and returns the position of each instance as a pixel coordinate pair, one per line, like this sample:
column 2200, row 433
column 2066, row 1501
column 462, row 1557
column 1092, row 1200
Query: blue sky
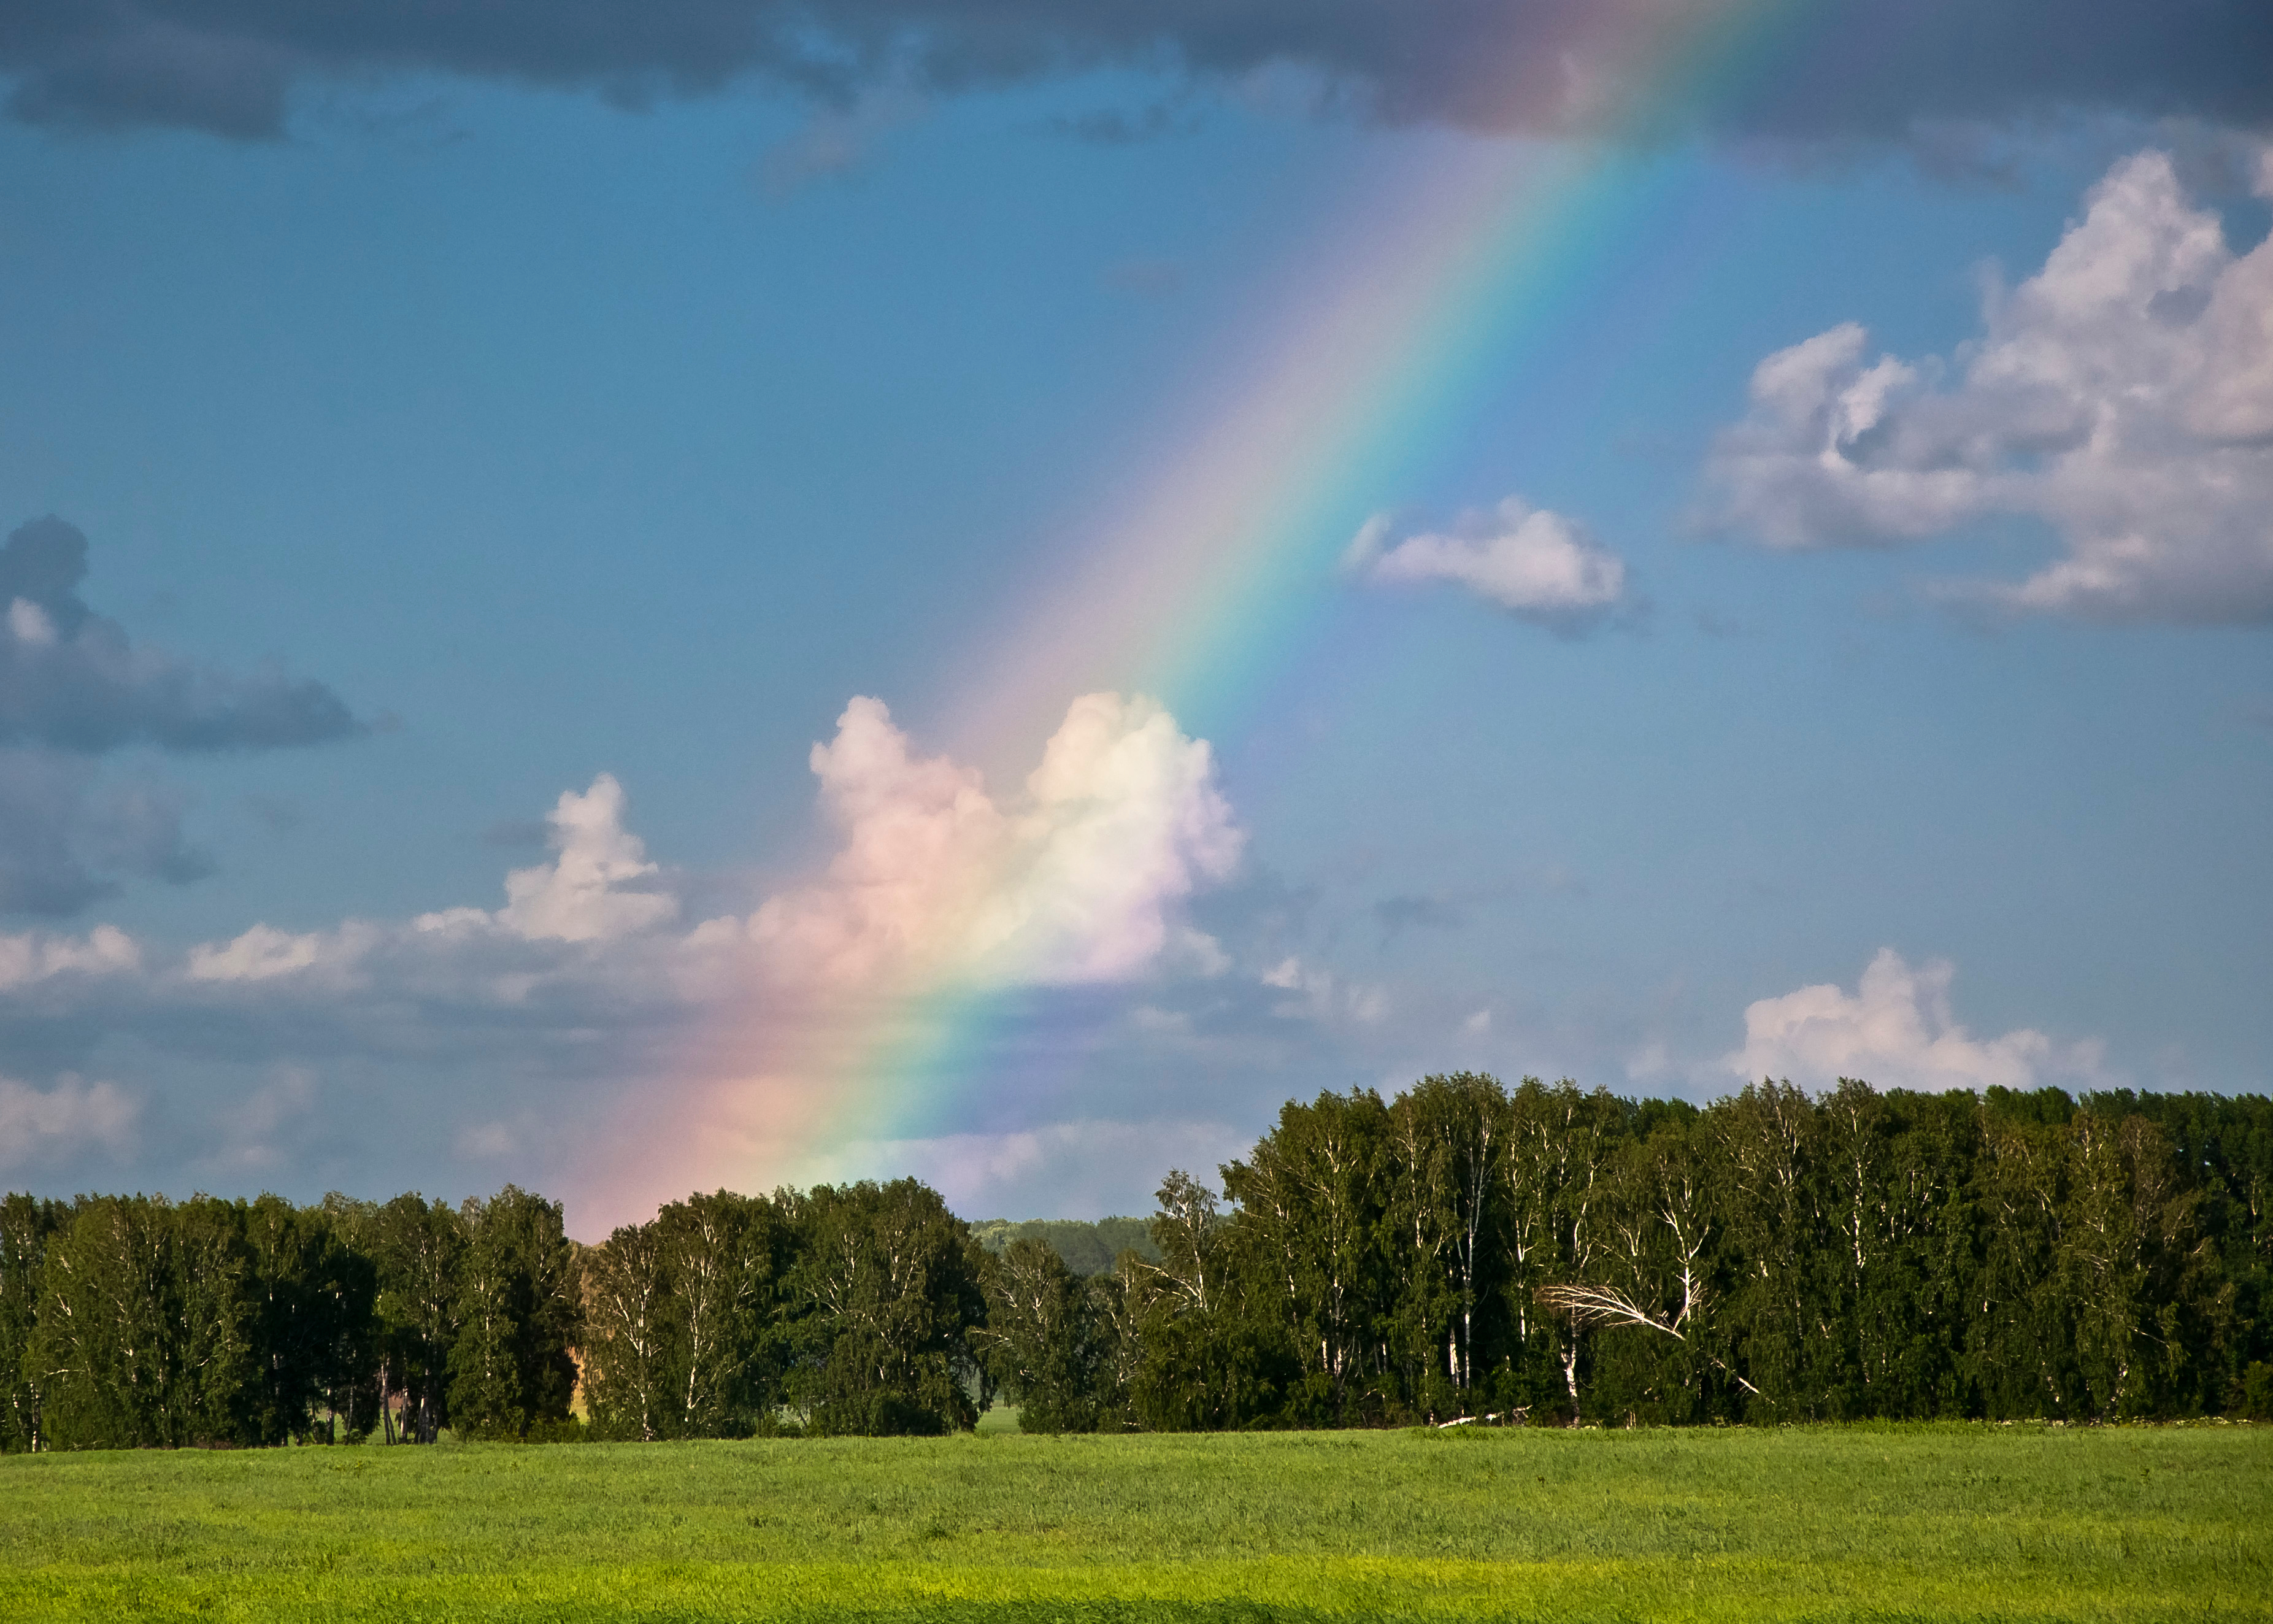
column 553, row 437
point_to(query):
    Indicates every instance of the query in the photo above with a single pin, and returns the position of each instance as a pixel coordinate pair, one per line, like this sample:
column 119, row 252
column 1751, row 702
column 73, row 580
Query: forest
column 1460, row 1252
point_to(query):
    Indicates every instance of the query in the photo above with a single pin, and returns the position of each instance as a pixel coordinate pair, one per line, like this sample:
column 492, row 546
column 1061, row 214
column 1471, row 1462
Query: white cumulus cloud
column 2123, row 395
column 1076, row 880
column 1538, row 566
column 1895, row 1030
column 583, row 895
column 517, row 1029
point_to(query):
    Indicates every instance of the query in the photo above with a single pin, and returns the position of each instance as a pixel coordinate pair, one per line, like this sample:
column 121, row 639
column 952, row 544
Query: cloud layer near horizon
column 2123, row 395
column 541, row 1017
column 1864, row 68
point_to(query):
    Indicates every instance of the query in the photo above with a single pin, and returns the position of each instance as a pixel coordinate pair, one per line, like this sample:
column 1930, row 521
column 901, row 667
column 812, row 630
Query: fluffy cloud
column 1870, row 67
column 540, row 1039
column 54, row 1125
column 588, row 892
column 1536, row 565
column 2123, row 395
column 593, row 892
column 1895, row 1031
column 1079, row 880
column 1075, row 880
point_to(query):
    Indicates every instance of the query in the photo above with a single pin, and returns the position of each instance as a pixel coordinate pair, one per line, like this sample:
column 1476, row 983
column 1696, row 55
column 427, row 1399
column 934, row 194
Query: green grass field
column 1928, row 1522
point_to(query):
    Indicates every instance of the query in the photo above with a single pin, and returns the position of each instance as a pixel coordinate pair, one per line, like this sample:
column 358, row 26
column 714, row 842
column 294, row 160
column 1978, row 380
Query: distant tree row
column 1089, row 1246
column 134, row 1321
column 856, row 1309
column 1464, row 1250
column 1461, row 1250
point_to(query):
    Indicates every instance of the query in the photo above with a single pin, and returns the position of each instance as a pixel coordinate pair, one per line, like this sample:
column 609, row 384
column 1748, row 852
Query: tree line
column 1548, row 1254
column 134, row 1321
column 1461, row 1250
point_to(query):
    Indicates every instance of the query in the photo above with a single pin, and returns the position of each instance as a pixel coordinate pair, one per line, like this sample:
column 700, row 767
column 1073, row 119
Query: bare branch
column 1602, row 1305
column 1609, row 1305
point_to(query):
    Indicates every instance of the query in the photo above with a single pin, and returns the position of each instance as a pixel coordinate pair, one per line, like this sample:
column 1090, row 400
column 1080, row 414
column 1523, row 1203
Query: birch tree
column 626, row 1331
column 418, row 1250
column 884, row 1295
column 26, row 1225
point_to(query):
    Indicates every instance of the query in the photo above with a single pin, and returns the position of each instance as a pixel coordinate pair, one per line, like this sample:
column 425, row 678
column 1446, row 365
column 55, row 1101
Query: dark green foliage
column 145, row 1316
column 139, row 1322
column 518, row 1317
column 850, row 1310
column 2257, row 1392
column 681, row 1333
column 136, row 1322
column 1315, row 1247
column 417, row 1249
column 1208, row 1353
column 879, row 1305
column 1049, row 1341
column 726, row 1253
column 25, row 1227
column 313, row 1320
column 1462, row 1250
column 629, row 1335
column 1561, row 1256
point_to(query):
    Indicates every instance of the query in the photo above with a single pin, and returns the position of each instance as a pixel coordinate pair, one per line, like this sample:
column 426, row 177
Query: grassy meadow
column 1913, row 1523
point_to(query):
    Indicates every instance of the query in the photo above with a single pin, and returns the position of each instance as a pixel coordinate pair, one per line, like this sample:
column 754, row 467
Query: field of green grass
column 1910, row 1523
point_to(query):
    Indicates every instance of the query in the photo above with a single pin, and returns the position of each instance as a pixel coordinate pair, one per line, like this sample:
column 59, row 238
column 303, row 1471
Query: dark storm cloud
column 70, row 680
column 62, row 834
column 1836, row 68
column 74, row 687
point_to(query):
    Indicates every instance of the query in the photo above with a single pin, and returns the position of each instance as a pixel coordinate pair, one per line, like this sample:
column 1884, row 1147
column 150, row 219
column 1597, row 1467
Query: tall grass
column 1913, row 1523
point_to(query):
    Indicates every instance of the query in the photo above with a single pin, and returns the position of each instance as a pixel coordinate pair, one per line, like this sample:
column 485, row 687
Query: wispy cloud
column 1536, row 565
column 837, row 139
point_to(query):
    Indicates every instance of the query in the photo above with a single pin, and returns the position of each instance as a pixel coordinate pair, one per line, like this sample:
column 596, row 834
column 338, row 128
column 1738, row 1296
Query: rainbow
column 1216, row 585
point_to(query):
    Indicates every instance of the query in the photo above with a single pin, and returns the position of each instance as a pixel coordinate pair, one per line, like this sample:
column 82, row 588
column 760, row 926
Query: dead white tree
column 1609, row 1305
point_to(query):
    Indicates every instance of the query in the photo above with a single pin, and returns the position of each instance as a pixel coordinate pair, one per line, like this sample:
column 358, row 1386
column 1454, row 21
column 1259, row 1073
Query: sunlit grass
column 1909, row 1522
